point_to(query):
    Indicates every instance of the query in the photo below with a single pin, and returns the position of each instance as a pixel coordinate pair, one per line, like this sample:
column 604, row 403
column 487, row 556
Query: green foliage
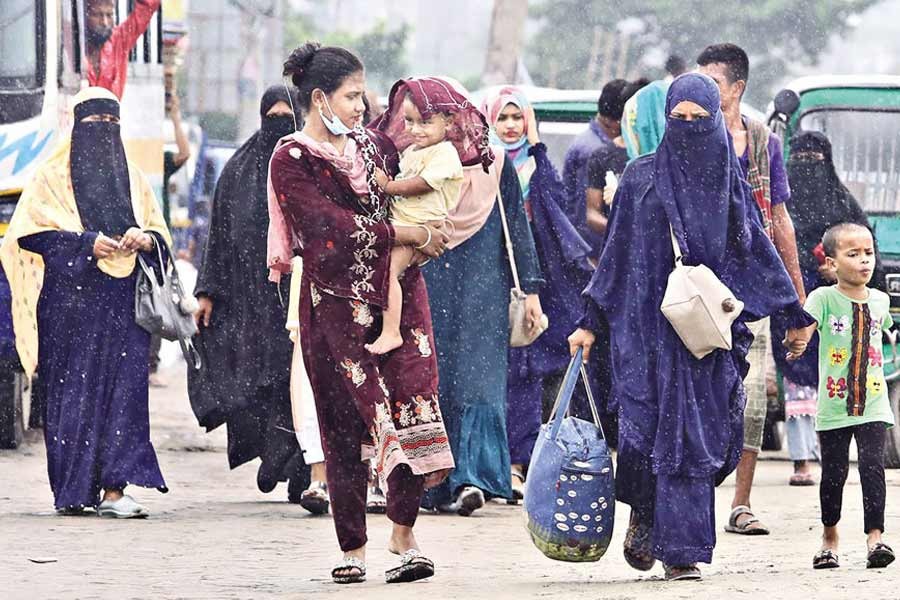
column 382, row 50
column 219, row 125
column 775, row 33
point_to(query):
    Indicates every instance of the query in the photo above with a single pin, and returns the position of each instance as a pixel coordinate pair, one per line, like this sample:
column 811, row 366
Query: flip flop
column 683, row 573
column 826, row 559
column 518, row 488
column 414, row 566
column 347, row 564
column 880, row 556
column 745, row 527
column 802, row 480
column 315, row 498
column 376, row 503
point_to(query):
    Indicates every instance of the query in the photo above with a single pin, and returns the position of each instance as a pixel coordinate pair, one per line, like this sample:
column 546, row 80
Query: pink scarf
column 350, row 163
column 476, row 199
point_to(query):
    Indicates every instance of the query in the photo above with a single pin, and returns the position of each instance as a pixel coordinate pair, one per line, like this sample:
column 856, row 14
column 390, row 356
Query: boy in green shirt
column 850, row 318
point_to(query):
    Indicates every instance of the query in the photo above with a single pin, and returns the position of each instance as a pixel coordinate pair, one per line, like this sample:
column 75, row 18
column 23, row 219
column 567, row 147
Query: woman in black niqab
column 245, row 378
column 99, row 169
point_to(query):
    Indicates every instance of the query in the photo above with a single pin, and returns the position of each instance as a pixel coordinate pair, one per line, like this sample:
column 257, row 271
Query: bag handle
column 675, row 247
column 509, row 246
column 564, row 396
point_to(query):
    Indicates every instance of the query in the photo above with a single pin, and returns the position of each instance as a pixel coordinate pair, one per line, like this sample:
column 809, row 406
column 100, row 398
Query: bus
column 41, row 45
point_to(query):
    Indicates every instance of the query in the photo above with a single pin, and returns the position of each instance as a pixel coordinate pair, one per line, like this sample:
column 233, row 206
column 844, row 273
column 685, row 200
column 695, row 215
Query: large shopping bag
column 570, row 491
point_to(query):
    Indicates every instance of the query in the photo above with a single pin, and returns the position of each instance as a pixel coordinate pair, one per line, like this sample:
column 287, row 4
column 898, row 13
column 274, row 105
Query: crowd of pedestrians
column 354, row 302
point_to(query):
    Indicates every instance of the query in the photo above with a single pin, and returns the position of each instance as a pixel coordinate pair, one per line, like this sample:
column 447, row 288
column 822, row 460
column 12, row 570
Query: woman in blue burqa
column 70, row 255
column 680, row 418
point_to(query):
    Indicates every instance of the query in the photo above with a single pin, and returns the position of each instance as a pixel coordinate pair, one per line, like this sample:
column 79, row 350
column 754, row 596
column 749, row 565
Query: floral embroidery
column 383, row 386
column 839, row 325
column 836, row 387
column 354, row 372
column 422, row 342
column 315, row 295
column 875, row 358
column 365, row 239
column 420, row 410
column 361, row 313
column 837, row 356
column 875, row 385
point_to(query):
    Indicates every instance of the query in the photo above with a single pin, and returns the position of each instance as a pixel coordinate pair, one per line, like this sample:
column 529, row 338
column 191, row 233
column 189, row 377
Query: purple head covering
column 698, row 177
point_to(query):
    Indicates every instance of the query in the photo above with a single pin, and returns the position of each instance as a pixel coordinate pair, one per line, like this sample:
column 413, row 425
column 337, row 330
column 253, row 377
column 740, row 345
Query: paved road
column 215, row 536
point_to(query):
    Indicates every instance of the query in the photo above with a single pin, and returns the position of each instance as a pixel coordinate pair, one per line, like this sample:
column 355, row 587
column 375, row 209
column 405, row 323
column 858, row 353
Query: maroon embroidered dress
column 345, row 242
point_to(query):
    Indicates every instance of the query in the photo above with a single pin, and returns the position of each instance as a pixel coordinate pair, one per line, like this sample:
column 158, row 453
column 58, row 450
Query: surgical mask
column 334, row 124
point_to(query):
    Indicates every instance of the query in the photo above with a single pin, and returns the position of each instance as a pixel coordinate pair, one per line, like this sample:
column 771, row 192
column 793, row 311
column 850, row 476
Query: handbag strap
column 675, row 247
column 509, row 246
column 567, row 390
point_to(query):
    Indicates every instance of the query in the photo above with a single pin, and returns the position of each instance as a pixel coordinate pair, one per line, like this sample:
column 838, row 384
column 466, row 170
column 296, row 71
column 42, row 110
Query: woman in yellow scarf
column 70, row 255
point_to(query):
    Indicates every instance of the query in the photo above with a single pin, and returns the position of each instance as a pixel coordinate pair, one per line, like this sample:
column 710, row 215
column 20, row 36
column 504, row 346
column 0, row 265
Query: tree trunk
column 505, row 42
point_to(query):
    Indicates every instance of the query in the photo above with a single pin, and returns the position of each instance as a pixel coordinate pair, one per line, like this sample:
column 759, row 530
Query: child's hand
column 796, row 341
column 381, row 179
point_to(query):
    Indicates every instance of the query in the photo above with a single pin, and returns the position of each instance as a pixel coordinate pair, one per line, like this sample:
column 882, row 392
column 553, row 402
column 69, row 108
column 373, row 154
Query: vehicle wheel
column 892, row 452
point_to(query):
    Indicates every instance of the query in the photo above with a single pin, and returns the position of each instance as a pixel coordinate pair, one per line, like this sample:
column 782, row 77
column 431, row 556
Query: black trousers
column 835, row 447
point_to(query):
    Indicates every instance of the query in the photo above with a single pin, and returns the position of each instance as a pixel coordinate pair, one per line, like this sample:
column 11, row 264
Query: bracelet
column 428, row 241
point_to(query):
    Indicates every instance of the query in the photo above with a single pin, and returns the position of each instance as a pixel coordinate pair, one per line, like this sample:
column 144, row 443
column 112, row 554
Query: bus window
column 20, row 68
column 22, row 63
column 69, row 61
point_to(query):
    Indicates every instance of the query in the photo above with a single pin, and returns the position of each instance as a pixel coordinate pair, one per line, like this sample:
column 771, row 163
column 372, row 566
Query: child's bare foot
column 387, row 341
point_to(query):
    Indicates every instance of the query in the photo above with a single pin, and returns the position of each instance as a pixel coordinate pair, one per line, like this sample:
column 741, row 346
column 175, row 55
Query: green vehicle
column 861, row 117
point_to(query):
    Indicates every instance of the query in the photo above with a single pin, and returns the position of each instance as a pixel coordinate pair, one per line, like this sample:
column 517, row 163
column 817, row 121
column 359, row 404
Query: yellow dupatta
column 48, row 204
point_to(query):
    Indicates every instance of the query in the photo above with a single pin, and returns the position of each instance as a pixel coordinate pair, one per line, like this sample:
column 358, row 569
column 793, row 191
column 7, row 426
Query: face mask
column 98, row 37
column 334, row 124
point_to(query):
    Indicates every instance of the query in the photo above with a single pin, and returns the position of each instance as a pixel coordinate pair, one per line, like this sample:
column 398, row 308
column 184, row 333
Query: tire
column 892, row 450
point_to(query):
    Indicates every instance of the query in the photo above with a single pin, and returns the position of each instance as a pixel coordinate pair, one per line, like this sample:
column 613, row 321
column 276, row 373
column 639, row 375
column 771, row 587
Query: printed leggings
column 835, row 450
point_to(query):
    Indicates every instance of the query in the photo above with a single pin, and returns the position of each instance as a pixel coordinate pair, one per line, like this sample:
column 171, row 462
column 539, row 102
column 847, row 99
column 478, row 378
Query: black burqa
column 819, row 200
column 246, row 352
column 99, row 169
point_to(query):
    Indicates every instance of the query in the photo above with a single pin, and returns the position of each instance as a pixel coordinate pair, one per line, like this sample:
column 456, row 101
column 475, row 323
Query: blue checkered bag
column 570, row 491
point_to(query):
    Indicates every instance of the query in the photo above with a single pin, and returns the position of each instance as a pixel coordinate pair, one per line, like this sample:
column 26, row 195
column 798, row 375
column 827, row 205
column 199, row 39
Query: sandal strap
column 350, row 562
column 413, row 555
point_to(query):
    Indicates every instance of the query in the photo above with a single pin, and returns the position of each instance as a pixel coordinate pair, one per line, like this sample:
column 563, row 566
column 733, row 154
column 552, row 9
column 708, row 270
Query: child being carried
column 421, row 116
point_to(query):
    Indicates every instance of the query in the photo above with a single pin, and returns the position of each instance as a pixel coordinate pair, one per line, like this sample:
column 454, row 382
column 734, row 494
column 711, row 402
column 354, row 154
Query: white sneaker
column 469, row 500
column 123, row 508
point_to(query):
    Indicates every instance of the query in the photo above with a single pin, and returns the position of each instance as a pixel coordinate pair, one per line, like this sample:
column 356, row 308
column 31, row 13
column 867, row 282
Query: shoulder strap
column 509, row 246
column 675, row 247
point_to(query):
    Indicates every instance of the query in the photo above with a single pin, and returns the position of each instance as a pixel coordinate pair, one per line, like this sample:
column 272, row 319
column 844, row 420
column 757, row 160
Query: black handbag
column 160, row 305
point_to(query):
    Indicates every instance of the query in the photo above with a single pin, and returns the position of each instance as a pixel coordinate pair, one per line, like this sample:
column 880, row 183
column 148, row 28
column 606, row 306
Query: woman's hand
column 532, row 126
column 438, row 244
column 584, row 339
column 204, row 313
column 533, row 312
column 135, row 239
column 104, row 246
column 381, row 179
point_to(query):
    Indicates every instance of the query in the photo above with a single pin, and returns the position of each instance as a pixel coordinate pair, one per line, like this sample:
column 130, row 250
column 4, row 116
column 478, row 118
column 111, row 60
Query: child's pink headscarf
column 432, row 95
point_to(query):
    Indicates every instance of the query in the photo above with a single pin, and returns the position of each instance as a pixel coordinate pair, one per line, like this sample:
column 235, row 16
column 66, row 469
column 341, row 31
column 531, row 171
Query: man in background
column 108, row 45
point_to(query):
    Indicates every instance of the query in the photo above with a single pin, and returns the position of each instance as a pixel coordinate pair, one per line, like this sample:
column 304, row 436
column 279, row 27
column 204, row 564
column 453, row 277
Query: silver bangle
column 427, row 241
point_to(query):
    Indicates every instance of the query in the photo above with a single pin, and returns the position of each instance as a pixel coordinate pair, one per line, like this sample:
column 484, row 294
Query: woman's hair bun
column 298, row 62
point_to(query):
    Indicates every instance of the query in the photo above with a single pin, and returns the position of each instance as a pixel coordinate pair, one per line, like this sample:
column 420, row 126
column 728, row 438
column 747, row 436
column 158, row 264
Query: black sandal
column 826, row 559
column 880, row 556
column 413, row 567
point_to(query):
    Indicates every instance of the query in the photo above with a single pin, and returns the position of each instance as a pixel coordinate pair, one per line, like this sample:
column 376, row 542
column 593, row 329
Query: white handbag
column 519, row 334
column 699, row 306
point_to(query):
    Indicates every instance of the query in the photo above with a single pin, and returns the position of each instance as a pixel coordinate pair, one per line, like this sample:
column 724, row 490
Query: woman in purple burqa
column 680, row 418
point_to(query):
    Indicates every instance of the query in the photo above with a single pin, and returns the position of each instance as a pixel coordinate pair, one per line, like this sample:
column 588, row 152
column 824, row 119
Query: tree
column 505, row 41
column 775, row 33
